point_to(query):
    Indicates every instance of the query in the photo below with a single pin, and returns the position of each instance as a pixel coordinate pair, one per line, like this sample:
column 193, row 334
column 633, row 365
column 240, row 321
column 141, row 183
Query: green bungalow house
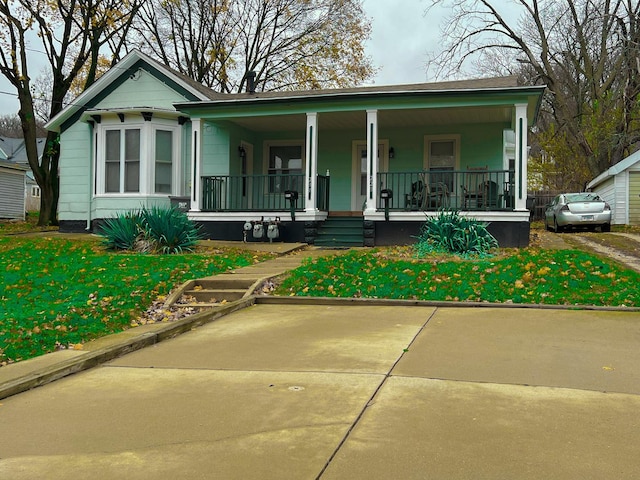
column 357, row 166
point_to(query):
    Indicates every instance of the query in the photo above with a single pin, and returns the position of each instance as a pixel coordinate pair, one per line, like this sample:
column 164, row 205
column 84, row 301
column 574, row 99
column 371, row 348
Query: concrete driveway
column 348, row 392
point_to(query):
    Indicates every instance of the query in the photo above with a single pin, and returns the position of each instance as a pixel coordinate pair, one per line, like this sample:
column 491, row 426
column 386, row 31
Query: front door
column 359, row 178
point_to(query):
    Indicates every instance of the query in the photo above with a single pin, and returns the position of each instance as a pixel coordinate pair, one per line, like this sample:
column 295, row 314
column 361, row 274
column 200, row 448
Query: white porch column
column 311, row 172
column 196, row 164
column 522, row 148
column 372, row 161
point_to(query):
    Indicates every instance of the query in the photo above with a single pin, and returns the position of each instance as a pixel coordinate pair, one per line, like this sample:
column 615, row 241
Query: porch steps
column 214, row 291
column 341, row 232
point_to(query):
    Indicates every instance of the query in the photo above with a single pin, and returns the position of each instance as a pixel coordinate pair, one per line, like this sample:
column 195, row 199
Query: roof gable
column 124, row 71
column 13, row 149
column 619, row 167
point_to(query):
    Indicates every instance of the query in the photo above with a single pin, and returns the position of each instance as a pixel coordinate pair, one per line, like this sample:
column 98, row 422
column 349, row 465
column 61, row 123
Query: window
column 137, row 157
column 35, row 191
column 442, row 159
column 122, row 161
column 285, row 168
column 164, row 161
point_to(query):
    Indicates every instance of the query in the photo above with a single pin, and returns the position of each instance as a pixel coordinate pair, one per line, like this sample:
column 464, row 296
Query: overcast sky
column 400, row 40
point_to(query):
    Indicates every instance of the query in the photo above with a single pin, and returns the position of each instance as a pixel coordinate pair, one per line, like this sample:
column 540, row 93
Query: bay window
column 137, row 158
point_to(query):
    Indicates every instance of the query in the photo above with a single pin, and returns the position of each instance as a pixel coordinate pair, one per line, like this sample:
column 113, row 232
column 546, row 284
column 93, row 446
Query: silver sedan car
column 577, row 210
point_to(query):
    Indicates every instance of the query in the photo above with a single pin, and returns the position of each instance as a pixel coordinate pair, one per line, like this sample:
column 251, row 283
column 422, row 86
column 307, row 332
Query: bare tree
column 192, row 36
column 10, row 126
column 290, row 44
column 585, row 51
column 71, row 34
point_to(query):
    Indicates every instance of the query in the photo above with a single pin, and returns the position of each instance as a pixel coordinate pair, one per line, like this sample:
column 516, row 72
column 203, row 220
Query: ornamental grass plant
column 154, row 229
column 449, row 232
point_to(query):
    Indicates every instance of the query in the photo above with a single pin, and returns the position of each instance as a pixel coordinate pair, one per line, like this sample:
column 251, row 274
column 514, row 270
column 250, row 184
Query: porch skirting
column 511, row 229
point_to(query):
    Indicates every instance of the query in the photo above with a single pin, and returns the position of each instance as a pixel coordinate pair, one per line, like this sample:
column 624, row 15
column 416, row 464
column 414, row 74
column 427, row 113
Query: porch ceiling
column 387, row 118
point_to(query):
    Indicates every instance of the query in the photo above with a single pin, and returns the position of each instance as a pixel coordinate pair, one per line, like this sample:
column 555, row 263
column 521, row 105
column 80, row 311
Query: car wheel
column 556, row 227
column 606, row 227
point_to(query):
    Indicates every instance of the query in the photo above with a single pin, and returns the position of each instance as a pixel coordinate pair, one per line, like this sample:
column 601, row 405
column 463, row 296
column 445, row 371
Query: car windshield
column 582, row 197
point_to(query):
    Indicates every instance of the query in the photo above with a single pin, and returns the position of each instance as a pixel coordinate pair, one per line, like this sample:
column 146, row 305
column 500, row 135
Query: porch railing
column 435, row 190
column 260, row 193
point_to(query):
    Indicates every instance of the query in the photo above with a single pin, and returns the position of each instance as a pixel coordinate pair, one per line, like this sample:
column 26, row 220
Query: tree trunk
column 51, row 186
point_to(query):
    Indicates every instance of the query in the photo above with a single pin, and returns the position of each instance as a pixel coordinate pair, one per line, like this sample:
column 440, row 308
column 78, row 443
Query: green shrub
column 155, row 229
column 448, row 232
column 169, row 229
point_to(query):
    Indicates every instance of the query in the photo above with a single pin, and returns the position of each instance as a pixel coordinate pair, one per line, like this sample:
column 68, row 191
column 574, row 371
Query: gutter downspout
column 92, row 148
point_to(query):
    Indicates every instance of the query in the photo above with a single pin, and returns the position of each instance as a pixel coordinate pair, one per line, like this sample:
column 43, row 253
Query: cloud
column 401, row 38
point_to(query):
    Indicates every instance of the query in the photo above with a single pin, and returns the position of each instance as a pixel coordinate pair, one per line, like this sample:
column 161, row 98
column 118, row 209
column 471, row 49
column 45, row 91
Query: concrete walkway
column 353, row 391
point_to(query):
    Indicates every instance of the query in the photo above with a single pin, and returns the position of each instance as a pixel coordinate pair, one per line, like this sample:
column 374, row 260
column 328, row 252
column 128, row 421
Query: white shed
column 12, row 190
column 620, row 188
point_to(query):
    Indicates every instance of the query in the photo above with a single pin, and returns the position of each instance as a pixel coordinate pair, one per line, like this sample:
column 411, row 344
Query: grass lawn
column 56, row 290
column 526, row 276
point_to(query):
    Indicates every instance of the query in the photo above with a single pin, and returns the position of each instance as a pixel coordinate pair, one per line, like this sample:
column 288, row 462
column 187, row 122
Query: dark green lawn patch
column 29, row 225
column 70, row 291
column 528, row 276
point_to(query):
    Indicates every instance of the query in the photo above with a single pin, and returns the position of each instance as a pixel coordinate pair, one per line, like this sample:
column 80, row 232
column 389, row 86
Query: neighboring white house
column 619, row 186
column 12, row 188
column 13, row 150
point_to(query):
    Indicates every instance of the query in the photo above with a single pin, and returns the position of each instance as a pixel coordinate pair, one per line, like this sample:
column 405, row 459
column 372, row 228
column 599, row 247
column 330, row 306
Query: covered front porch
column 416, row 191
column 389, row 159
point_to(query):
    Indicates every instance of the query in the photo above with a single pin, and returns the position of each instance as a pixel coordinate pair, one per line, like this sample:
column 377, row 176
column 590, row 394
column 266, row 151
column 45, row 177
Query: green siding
column 75, row 179
column 146, row 91
column 215, row 149
column 482, row 145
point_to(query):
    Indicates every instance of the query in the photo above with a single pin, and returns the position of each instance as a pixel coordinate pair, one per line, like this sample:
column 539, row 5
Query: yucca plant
column 123, row 231
column 169, row 229
column 155, row 229
column 448, row 232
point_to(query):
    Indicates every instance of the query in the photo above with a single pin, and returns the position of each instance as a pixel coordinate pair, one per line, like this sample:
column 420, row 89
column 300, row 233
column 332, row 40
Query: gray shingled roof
column 14, row 151
column 454, row 85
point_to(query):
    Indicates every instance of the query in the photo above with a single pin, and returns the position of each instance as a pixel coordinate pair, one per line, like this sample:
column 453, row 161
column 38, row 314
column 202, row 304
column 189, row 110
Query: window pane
column 284, row 161
column 442, row 154
column 442, row 148
column 131, row 176
column 112, row 147
column 112, row 161
column 164, row 158
column 112, row 177
column 132, row 144
column 132, row 160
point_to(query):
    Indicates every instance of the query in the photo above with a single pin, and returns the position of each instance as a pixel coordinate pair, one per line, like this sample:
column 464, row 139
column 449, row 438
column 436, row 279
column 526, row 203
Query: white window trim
column 441, row 138
column 147, row 154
